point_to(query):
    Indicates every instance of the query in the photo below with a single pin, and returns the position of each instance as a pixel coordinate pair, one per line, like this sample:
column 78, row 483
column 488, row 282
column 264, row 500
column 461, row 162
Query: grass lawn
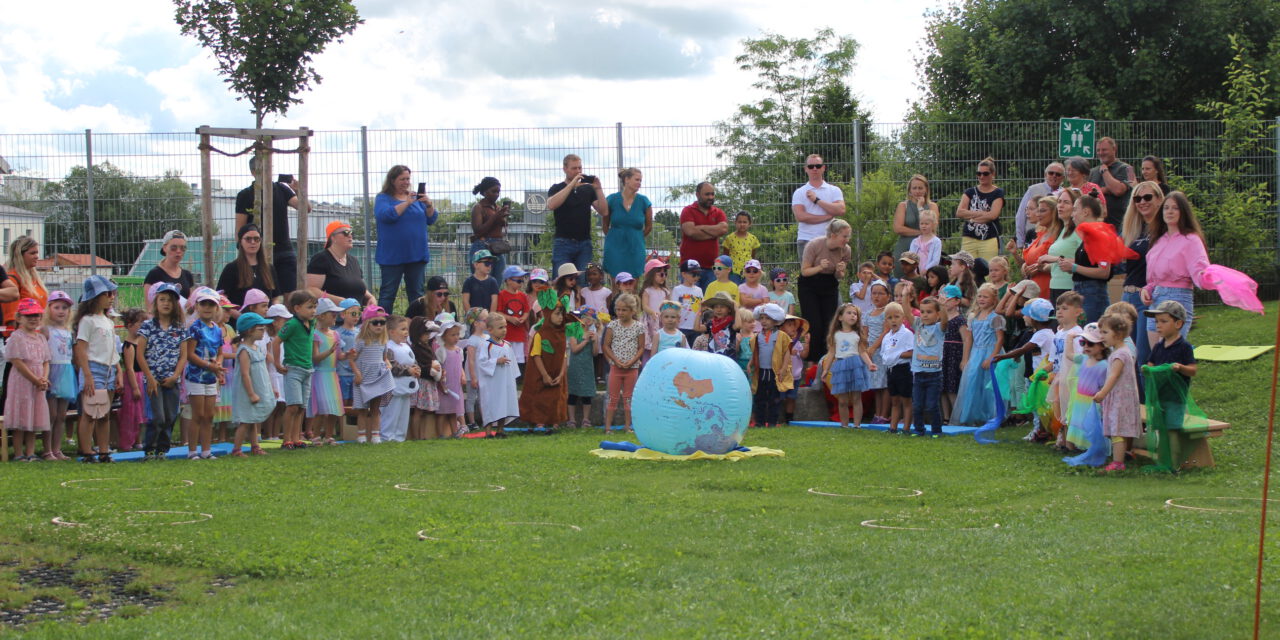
column 319, row 543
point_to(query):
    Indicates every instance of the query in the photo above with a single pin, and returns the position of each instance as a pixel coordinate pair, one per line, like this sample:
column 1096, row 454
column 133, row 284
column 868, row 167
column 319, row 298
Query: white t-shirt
column 1059, row 345
column 895, row 344
column 690, row 301
column 1043, row 339
column 100, row 333
column 863, row 304
column 826, row 193
column 846, row 344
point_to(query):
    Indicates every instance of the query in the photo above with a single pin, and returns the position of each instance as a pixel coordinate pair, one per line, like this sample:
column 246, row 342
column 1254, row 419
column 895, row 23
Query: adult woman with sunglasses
column 980, row 209
column 335, row 274
column 434, row 302
column 1144, row 206
column 174, row 248
column 403, row 216
column 248, row 270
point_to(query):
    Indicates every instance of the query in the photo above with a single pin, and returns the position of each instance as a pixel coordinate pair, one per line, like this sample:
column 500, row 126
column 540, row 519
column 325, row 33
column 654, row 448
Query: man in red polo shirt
column 702, row 224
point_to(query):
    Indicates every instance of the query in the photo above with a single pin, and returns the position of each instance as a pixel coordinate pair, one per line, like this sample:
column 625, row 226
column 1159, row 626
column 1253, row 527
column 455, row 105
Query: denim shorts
column 1185, row 297
column 297, row 386
column 344, row 383
column 201, row 389
column 104, row 375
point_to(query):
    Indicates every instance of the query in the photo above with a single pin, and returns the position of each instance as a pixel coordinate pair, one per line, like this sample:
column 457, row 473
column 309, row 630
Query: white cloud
column 401, row 69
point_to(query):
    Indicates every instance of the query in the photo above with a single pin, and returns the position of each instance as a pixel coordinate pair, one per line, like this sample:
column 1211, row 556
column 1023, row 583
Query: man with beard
column 702, row 224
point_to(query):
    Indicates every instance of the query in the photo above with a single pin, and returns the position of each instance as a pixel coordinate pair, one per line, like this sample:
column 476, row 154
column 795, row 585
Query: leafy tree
column 807, row 107
column 1013, row 60
column 127, row 210
column 1231, row 202
column 264, row 48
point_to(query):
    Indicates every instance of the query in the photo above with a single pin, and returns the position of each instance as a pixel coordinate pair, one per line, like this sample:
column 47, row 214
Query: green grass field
column 319, row 543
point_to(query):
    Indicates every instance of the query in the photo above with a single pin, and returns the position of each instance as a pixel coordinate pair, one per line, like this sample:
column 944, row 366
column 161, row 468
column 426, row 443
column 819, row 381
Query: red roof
column 69, row 260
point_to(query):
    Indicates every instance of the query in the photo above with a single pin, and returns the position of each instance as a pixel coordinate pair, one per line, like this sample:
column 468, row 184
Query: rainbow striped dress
column 326, row 395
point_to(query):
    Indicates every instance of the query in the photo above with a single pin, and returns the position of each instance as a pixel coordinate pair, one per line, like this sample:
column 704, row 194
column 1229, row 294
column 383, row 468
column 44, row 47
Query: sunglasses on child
column 779, row 279
column 751, row 270
column 719, row 268
column 377, row 323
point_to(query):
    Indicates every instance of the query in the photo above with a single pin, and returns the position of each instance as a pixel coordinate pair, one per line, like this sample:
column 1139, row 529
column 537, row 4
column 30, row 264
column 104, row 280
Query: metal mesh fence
column 144, row 184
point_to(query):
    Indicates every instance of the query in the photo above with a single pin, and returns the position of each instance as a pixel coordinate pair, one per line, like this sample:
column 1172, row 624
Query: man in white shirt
column 815, row 204
column 1052, row 185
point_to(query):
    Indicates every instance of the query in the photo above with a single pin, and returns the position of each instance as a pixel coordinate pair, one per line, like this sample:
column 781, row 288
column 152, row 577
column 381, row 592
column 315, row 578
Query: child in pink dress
column 26, row 409
column 1121, row 418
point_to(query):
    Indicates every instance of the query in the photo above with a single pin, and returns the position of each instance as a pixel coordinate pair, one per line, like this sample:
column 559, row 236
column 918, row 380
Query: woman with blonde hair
column 906, row 218
column 24, row 251
column 1144, row 208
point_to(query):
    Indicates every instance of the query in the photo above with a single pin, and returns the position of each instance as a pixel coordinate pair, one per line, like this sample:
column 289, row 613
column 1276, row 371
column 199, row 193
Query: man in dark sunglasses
column 815, row 204
column 1054, row 174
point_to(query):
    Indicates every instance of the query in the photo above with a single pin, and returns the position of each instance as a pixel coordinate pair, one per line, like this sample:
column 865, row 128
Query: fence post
column 206, row 207
column 857, row 157
column 620, row 167
column 364, row 205
column 88, row 187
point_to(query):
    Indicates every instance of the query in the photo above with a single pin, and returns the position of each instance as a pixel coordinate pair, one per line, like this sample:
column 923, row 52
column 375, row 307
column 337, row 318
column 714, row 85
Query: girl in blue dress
column 628, row 221
column 976, row 403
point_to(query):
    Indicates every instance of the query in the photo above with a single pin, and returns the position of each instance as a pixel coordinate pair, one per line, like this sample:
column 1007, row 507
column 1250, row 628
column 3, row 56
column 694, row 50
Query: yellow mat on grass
column 1228, row 353
column 650, row 454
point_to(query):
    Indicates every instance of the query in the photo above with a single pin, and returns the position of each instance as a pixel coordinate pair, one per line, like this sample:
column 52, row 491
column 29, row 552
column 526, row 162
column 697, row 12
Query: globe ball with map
column 687, row 401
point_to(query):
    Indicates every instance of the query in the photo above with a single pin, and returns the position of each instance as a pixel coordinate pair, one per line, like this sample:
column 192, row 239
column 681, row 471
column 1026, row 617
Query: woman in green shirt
column 1064, row 247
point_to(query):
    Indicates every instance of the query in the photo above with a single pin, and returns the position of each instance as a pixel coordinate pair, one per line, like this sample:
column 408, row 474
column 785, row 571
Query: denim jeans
column 568, row 250
column 164, row 412
column 926, row 398
column 1096, row 298
column 1139, row 335
column 499, row 262
column 411, row 272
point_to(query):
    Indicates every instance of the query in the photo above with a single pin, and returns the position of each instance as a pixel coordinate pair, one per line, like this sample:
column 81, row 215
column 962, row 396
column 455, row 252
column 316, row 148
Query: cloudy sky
column 123, row 66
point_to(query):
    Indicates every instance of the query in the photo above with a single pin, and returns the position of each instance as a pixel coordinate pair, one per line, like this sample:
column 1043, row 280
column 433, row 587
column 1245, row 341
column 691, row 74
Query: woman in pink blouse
column 1177, row 258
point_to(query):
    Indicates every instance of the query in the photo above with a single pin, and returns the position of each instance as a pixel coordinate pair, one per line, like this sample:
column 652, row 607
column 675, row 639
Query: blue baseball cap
column 952, row 291
column 95, row 286
column 726, row 261
column 513, row 271
column 347, row 303
column 1038, row 309
column 249, row 320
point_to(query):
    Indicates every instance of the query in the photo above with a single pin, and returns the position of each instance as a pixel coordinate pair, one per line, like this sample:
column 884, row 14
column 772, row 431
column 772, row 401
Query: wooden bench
column 1191, row 449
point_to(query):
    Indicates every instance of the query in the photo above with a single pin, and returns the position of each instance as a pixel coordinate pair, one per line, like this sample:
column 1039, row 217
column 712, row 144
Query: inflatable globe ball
column 687, row 401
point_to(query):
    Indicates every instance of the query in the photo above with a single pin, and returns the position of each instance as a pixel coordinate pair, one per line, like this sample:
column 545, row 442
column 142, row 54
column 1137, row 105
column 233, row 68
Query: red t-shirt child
column 516, row 306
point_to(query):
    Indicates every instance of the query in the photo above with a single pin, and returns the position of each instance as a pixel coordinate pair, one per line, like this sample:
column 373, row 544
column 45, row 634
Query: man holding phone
column 284, row 259
column 571, row 202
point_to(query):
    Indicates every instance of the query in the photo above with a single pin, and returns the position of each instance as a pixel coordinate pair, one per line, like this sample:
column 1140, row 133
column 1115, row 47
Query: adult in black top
column 434, row 302
column 335, row 274
column 283, row 257
column 173, row 248
column 247, row 270
column 1089, row 278
column 571, row 202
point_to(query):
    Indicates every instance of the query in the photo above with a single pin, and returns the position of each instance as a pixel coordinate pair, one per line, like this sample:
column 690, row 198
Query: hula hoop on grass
column 73, row 484
column 914, row 493
column 67, row 523
column 875, row 524
column 422, row 533
column 1171, row 502
column 205, row 517
column 494, row 488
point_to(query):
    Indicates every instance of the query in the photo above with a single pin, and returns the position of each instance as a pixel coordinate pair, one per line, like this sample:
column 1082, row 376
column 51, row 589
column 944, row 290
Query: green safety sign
column 1075, row 137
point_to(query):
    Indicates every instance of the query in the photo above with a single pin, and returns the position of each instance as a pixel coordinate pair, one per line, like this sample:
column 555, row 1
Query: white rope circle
column 67, row 523
column 203, row 517
column 1171, row 502
column 493, row 488
column 74, row 484
column 913, row 493
column 875, row 524
column 422, row 533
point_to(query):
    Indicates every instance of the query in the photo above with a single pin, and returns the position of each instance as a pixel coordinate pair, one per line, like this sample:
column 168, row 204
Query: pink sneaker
column 1114, row 466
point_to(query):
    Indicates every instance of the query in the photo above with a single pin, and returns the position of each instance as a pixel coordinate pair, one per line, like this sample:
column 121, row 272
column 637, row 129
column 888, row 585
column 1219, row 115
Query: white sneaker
column 360, row 440
column 375, row 439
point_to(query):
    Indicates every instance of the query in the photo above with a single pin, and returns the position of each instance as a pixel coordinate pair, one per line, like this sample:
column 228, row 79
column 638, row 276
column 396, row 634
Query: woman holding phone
column 403, row 216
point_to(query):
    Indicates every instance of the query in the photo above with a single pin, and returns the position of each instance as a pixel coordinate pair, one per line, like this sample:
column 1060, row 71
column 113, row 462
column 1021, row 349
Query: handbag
column 499, row 246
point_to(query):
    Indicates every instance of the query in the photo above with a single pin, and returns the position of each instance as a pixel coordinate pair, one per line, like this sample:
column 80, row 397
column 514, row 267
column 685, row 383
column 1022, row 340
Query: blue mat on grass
column 176, row 453
column 947, row 430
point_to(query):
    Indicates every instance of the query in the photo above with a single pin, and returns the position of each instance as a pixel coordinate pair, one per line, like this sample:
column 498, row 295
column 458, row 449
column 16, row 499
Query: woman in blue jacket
column 403, row 216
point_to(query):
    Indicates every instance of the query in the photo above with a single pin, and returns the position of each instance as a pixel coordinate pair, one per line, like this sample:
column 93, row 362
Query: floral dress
column 952, row 354
column 26, row 408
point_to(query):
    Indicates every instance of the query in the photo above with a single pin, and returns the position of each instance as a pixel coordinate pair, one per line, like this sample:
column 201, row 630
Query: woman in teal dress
column 629, row 220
